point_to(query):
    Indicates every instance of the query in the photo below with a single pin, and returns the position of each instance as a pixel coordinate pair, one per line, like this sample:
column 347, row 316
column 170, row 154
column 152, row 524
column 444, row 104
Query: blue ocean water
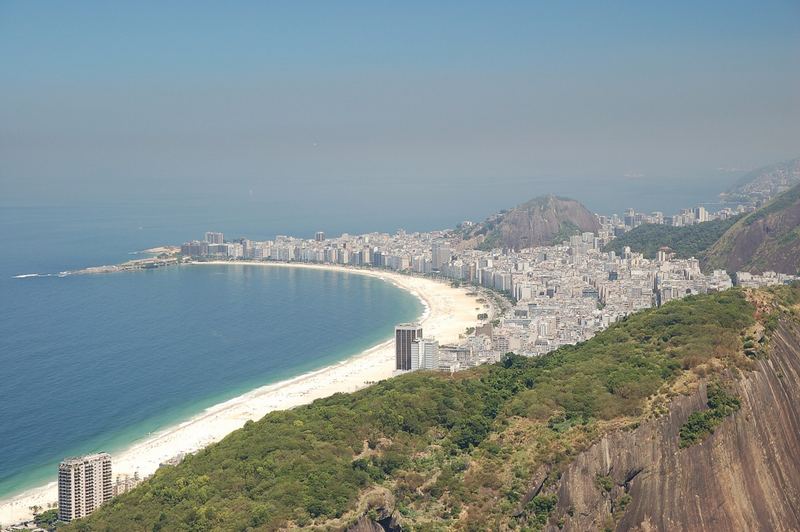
column 95, row 362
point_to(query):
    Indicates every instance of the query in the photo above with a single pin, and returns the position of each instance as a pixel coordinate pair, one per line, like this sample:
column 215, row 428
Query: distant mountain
column 768, row 239
column 687, row 241
column 539, row 222
column 766, row 182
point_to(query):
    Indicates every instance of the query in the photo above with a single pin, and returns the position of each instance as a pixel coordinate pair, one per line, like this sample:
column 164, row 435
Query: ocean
column 96, row 362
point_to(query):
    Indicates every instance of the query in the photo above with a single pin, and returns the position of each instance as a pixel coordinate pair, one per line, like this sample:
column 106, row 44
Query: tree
column 471, row 432
column 46, row 519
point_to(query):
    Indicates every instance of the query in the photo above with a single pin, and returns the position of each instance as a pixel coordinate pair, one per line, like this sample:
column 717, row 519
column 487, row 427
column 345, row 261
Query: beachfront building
column 125, row 483
column 424, row 354
column 84, row 484
column 195, row 248
column 557, row 294
column 215, row 238
column 440, row 255
column 404, row 336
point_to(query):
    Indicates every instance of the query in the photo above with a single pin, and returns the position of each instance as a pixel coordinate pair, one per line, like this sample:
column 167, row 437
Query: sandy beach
column 448, row 312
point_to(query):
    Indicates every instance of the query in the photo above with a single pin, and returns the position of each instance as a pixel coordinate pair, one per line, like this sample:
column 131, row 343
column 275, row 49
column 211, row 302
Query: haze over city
column 460, row 106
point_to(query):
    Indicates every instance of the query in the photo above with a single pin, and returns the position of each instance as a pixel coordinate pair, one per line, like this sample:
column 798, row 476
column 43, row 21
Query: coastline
column 447, row 313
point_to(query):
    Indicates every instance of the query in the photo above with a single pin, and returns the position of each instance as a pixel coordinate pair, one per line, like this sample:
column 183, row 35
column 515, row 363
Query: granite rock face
column 745, row 476
column 538, row 222
column 768, row 239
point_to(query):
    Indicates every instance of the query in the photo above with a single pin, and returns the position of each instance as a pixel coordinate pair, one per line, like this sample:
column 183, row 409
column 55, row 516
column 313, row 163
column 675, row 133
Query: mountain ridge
column 686, row 241
column 766, row 182
column 540, row 221
column 727, row 482
column 767, row 239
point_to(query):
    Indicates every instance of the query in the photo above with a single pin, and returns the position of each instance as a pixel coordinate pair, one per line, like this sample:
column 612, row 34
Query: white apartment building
column 84, row 484
column 424, row 354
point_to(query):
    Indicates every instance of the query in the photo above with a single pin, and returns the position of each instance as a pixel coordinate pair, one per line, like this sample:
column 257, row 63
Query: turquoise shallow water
column 96, row 362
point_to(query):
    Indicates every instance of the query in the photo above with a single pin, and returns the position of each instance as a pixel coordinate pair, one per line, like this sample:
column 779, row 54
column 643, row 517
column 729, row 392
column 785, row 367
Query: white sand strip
column 448, row 312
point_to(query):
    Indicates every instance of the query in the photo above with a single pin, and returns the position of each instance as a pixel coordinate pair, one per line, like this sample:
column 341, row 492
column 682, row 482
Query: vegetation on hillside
column 767, row 239
column 783, row 201
column 686, row 241
column 476, row 450
column 701, row 424
column 565, row 230
column 493, row 238
column 46, row 519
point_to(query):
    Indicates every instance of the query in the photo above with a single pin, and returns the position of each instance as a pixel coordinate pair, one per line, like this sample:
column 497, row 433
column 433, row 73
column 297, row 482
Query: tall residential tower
column 404, row 335
column 215, row 238
column 83, row 485
column 424, row 354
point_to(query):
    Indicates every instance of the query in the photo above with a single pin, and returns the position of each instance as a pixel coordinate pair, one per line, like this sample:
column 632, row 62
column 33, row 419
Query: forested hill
column 479, row 450
column 687, row 241
column 767, row 239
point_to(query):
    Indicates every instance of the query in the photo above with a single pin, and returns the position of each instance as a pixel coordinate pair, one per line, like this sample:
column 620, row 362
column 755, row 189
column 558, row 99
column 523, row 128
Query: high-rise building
column 195, row 248
column 319, row 236
column 404, row 335
column 440, row 255
column 84, row 484
column 700, row 214
column 424, row 354
column 214, row 238
column 125, row 483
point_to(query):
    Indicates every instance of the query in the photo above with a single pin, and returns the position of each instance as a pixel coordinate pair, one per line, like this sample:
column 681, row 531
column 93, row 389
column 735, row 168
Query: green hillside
column 768, row 239
column 688, row 241
column 434, row 450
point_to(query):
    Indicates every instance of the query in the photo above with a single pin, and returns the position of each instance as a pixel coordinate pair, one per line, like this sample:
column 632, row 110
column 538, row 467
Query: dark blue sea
column 95, row 362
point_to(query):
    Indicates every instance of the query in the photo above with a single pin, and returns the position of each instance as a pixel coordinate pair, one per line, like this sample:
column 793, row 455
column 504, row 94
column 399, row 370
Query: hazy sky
column 354, row 99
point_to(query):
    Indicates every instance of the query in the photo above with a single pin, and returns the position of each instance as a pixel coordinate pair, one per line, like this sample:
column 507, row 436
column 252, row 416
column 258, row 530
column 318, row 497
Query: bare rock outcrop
column 745, row 476
column 540, row 221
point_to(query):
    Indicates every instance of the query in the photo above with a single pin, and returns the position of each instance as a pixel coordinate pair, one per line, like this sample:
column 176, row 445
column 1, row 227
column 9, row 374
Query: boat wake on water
column 30, row 275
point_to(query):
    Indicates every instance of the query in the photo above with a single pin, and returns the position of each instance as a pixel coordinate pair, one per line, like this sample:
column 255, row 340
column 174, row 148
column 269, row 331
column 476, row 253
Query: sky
column 455, row 105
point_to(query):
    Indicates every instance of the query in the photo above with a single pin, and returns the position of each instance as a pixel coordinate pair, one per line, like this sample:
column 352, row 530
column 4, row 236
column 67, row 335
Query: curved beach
column 448, row 312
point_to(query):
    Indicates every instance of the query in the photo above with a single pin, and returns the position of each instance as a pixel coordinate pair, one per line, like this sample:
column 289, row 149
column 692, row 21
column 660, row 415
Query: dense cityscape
column 535, row 299
column 551, row 295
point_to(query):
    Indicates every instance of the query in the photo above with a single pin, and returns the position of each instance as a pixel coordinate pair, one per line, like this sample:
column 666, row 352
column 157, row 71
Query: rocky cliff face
column 768, row 239
column 535, row 223
column 745, row 476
